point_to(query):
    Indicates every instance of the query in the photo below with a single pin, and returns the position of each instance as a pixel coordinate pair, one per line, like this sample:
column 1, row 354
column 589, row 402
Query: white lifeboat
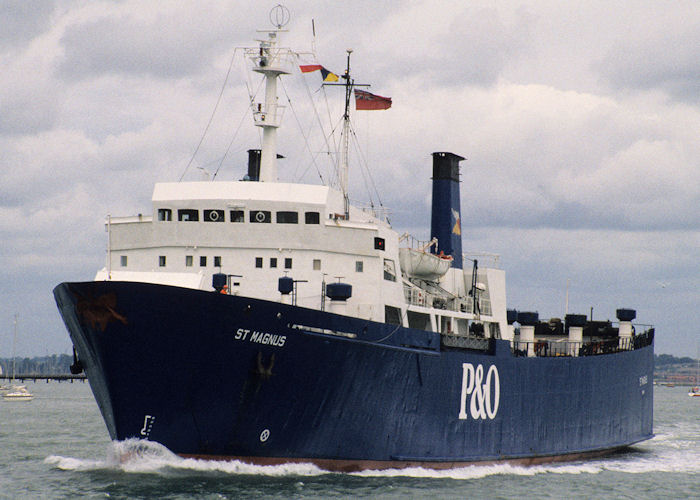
column 423, row 265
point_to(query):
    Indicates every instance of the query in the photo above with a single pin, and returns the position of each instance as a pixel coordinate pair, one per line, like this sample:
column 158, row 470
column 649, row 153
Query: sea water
column 57, row 446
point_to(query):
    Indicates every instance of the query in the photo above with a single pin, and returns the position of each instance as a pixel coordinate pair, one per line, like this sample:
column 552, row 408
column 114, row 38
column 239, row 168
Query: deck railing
column 550, row 348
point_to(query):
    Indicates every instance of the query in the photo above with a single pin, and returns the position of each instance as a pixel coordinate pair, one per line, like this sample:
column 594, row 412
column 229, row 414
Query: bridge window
column 317, row 264
column 273, row 261
column 237, row 216
column 165, row 214
column 214, row 216
column 188, row 261
column 161, row 260
column 188, row 215
column 258, row 262
column 123, row 261
column 359, row 266
column 288, row 263
column 287, row 218
column 217, row 261
column 312, row 217
column 261, row 216
column 203, row 261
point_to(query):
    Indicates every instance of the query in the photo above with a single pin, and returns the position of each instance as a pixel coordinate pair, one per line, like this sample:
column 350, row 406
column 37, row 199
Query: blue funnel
column 445, row 223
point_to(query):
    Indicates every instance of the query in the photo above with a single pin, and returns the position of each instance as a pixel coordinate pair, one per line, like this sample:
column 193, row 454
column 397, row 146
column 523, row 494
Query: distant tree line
column 667, row 359
column 56, row 364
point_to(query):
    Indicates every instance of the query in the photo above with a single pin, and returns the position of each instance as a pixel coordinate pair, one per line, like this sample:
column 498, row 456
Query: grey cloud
column 472, row 49
column 126, row 46
column 668, row 60
column 22, row 20
column 28, row 113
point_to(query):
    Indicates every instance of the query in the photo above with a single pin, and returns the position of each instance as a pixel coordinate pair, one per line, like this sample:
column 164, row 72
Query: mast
column 14, row 356
column 270, row 61
column 343, row 174
column 349, row 85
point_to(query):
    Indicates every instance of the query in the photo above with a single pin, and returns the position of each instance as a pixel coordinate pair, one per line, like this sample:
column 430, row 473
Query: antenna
column 279, row 16
column 313, row 37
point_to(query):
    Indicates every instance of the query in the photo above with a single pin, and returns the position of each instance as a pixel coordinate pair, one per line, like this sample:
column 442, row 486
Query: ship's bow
column 85, row 313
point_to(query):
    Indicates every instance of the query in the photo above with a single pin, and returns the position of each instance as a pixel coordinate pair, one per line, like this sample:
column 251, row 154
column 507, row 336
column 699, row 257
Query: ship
column 273, row 322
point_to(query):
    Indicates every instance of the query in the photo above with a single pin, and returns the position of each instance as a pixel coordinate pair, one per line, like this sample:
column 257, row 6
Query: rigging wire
column 228, row 148
column 364, row 163
column 211, row 118
column 330, row 151
column 362, row 170
column 336, row 166
column 240, row 124
column 303, row 134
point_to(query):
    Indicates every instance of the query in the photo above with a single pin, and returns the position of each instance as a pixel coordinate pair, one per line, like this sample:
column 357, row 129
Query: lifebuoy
column 260, row 216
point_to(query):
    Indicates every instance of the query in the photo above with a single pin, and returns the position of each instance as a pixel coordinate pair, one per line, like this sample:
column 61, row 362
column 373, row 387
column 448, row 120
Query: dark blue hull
column 207, row 374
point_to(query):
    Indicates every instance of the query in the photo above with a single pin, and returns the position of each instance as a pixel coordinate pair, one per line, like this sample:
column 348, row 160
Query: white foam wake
column 665, row 453
column 481, row 471
column 134, row 455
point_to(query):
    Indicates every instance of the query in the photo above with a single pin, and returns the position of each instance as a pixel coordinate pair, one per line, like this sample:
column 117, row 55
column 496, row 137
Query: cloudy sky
column 580, row 122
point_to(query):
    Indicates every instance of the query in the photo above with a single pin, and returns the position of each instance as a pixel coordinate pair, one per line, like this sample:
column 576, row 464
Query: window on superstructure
column 165, row 214
column 258, row 262
column 359, row 266
column 213, row 216
column 389, row 270
column 392, row 315
column 312, row 217
column 273, row 261
column 203, row 261
column 123, row 261
column 317, row 264
column 217, row 261
column 261, row 216
column 288, row 263
column 237, row 216
column 287, row 218
column 187, row 214
column 161, row 260
column 188, row 260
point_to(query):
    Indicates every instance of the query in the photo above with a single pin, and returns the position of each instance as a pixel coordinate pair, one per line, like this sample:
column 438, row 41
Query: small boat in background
column 15, row 392
column 18, row 393
column 695, row 391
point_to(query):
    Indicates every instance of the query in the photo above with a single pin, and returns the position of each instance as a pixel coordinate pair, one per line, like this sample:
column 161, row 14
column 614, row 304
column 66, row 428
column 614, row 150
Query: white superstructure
column 260, row 230
column 257, row 232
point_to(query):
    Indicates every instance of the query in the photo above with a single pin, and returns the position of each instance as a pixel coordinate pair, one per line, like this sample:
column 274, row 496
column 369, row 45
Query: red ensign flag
column 366, row 101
